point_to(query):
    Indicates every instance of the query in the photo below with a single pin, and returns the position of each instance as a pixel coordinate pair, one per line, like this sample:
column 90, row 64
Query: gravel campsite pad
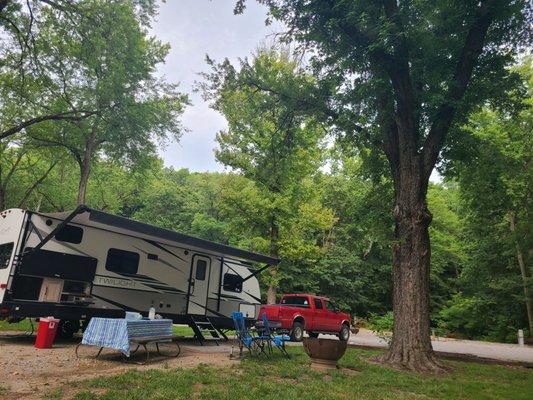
column 30, row 373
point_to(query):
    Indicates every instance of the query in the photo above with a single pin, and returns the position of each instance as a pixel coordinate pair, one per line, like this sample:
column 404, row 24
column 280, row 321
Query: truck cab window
column 232, row 283
column 295, row 301
column 70, row 234
column 318, row 304
column 5, row 254
column 122, row 262
column 331, row 306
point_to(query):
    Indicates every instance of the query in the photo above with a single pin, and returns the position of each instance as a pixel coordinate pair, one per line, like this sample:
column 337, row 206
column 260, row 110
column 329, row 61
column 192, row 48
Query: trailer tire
column 297, row 332
column 67, row 328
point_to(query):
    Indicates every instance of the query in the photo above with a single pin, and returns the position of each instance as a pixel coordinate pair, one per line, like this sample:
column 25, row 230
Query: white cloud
column 195, row 28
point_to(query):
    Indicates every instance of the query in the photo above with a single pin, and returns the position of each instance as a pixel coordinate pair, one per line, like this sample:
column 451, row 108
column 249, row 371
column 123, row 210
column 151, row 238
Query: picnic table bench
column 127, row 336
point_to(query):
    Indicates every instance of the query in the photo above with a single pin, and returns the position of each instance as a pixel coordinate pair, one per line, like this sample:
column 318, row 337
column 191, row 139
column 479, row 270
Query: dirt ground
column 29, row 373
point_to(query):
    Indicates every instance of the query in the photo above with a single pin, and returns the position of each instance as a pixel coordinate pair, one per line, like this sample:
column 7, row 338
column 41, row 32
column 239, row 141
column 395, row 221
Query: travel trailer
column 87, row 263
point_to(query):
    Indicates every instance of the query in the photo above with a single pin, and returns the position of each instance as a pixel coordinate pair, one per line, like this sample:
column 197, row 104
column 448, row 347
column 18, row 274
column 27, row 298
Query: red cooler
column 46, row 333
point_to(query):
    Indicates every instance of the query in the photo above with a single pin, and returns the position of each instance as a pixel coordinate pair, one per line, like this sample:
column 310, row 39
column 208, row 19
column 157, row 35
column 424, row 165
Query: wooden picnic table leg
column 77, row 347
column 78, row 354
column 170, row 352
column 147, row 352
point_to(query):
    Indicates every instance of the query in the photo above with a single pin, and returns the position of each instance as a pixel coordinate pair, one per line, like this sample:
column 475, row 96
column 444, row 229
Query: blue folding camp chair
column 255, row 344
column 277, row 340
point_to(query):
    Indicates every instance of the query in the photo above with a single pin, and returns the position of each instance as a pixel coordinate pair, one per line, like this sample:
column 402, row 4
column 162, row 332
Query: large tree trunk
column 411, row 345
column 524, row 273
column 85, row 170
column 412, row 157
column 274, row 252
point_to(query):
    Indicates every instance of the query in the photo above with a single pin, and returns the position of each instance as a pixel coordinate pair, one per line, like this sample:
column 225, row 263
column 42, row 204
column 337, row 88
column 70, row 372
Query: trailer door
column 11, row 222
column 199, row 285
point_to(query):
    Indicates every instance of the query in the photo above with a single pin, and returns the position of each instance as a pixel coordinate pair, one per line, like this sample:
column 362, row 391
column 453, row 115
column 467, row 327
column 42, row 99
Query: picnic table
column 123, row 335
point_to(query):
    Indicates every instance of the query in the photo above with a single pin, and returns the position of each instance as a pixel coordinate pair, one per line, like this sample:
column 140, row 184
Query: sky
column 194, row 28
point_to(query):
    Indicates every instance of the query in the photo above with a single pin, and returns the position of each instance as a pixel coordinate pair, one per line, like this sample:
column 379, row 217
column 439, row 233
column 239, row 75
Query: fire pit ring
column 324, row 353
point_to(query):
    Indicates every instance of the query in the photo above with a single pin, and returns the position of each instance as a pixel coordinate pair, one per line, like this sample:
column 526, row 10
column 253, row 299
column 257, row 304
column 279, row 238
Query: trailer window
column 122, row 261
column 70, row 234
column 201, row 268
column 232, row 283
column 5, row 254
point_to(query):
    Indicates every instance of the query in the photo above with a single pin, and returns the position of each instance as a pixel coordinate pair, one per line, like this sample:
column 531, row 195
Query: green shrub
column 382, row 325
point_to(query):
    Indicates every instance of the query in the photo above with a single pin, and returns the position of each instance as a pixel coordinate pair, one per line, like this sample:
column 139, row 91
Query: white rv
column 86, row 263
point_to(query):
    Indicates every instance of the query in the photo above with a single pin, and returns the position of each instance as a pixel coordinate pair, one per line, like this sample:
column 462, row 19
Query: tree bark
column 523, row 273
column 274, row 252
column 85, row 169
column 411, row 345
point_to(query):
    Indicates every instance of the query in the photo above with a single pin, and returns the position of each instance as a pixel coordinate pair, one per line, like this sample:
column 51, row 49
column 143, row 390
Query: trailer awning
column 89, row 217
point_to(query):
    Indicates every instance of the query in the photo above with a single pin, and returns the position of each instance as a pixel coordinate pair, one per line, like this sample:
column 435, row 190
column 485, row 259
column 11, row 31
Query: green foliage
column 101, row 62
column 494, row 175
column 382, row 325
column 448, row 250
column 481, row 317
column 361, row 47
column 279, row 149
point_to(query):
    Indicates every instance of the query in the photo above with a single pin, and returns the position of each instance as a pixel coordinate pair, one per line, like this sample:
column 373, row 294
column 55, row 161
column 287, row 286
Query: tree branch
column 13, row 168
column 30, row 190
column 398, row 70
column 472, row 48
column 75, row 152
column 66, row 116
column 389, row 133
column 309, row 105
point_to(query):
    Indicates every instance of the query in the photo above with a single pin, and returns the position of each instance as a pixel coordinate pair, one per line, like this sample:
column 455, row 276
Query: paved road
column 498, row 351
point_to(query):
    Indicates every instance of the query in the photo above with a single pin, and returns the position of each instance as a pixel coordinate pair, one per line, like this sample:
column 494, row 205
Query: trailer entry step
column 201, row 326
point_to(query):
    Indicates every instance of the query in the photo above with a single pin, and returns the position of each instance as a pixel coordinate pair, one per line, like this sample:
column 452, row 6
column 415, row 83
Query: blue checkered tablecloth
column 116, row 333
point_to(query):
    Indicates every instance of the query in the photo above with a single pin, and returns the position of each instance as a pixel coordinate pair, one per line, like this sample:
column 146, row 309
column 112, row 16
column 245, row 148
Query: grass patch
column 279, row 378
column 23, row 326
column 185, row 330
column 182, row 330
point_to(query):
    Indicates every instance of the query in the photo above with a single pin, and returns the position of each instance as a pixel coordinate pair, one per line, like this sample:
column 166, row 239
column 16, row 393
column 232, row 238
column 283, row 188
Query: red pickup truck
column 314, row 314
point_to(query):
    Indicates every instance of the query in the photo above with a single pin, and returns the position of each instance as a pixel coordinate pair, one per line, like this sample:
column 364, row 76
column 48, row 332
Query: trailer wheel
column 67, row 328
column 297, row 332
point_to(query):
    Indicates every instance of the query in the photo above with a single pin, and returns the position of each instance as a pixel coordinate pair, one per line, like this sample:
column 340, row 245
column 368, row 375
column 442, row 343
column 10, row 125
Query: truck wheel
column 313, row 335
column 344, row 333
column 67, row 328
column 297, row 332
